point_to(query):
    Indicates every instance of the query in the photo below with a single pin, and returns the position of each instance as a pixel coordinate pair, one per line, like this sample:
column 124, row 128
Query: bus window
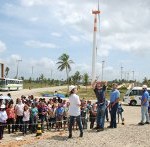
column 140, row 92
column 133, row 92
column 2, row 82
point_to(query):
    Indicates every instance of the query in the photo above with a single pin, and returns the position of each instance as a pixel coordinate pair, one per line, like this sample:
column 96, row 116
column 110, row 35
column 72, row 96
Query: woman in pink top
column 11, row 117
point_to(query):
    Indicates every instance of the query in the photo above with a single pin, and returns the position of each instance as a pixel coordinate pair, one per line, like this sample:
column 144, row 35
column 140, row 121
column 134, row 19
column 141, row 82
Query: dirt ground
column 128, row 135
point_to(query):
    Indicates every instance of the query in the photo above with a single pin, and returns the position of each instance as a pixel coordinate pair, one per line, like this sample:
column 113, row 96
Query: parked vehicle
column 133, row 96
column 10, row 84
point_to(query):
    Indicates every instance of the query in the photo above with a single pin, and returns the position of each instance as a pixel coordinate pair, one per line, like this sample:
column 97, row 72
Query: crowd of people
column 56, row 113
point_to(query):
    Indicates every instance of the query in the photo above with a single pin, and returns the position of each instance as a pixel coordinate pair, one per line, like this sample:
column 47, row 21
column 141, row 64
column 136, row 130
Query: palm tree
column 6, row 71
column 64, row 64
column 85, row 79
column 78, row 77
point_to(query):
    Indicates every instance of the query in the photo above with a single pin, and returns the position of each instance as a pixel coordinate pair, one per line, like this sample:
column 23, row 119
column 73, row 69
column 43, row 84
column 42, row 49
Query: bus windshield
column 2, row 82
column 128, row 92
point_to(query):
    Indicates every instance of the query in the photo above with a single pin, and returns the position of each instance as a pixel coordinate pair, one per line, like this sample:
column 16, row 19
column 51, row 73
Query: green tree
column 77, row 77
column 64, row 63
column 6, row 71
column 41, row 78
column 85, row 79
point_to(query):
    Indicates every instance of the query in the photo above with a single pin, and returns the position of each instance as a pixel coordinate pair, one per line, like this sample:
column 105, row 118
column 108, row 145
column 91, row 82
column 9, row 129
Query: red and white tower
column 97, row 12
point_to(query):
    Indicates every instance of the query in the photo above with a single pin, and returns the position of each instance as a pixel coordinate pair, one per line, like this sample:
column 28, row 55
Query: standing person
column 11, row 117
column 19, row 114
column 65, row 115
column 93, row 113
column 114, row 99
column 59, row 116
column 42, row 114
column 33, row 117
column 99, row 89
column 144, row 106
column 26, row 118
column 74, row 110
column 119, row 112
column 3, row 118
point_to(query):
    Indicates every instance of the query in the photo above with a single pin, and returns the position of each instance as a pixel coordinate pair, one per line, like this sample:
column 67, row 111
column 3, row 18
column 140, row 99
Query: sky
column 38, row 32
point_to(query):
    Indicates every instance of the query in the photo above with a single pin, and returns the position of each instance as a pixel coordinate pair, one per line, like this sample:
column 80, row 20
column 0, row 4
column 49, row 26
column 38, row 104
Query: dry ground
column 129, row 135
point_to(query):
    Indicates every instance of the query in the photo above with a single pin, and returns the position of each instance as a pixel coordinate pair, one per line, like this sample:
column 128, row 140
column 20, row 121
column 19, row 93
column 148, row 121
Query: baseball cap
column 144, row 86
column 71, row 87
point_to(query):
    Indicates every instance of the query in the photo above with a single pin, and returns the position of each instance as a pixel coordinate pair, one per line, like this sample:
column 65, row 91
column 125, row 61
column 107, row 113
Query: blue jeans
column 113, row 114
column 25, row 125
column 71, row 123
column 144, row 112
column 101, row 115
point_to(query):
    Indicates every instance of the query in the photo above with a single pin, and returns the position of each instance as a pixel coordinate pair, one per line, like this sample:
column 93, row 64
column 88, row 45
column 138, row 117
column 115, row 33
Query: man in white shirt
column 74, row 110
column 3, row 118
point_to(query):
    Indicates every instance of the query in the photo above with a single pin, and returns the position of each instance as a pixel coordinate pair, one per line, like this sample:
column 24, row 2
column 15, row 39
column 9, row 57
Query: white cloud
column 75, row 38
column 38, row 44
column 15, row 57
column 30, row 3
column 34, row 19
column 43, row 62
column 55, row 34
column 2, row 46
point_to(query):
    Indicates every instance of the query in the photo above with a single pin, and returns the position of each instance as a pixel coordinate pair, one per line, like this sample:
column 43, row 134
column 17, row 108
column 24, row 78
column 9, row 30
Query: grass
column 87, row 94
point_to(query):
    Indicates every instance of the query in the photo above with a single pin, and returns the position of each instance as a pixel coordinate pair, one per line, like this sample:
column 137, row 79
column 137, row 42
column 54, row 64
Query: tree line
column 64, row 64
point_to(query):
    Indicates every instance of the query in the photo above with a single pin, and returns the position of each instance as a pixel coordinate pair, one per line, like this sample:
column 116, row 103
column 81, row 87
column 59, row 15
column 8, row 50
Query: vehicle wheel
column 133, row 103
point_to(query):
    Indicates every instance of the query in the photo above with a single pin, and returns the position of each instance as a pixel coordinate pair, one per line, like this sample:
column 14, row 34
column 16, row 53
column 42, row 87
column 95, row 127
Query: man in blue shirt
column 114, row 99
column 144, row 106
column 99, row 89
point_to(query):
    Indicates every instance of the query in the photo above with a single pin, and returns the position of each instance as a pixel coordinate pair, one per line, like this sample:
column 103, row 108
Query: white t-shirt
column 26, row 115
column 3, row 116
column 74, row 108
column 19, row 108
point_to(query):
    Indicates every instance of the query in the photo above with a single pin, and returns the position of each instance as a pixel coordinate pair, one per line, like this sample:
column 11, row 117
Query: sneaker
column 81, row 134
column 101, row 129
column 140, row 123
column 147, row 122
column 70, row 136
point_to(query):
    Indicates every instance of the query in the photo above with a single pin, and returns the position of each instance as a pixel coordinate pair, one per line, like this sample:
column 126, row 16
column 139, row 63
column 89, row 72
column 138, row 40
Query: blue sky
column 39, row 31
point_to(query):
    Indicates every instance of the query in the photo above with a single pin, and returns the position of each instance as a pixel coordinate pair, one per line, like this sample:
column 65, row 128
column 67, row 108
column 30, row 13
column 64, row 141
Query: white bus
column 10, row 84
column 133, row 96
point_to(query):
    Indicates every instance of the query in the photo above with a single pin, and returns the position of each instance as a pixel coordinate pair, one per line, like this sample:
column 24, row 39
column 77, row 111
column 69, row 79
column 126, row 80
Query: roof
column 10, row 79
column 139, row 88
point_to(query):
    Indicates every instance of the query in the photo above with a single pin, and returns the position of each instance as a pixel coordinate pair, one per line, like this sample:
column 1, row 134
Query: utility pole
column 133, row 74
column 121, row 72
column 127, row 76
column 51, row 74
column 19, row 60
column 103, row 69
column 32, row 72
column 97, row 12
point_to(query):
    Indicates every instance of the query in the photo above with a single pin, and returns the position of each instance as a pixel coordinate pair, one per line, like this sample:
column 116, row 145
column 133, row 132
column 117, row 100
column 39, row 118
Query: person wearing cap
column 144, row 106
column 114, row 99
column 74, row 110
column 99, row 90
column 3, row 118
